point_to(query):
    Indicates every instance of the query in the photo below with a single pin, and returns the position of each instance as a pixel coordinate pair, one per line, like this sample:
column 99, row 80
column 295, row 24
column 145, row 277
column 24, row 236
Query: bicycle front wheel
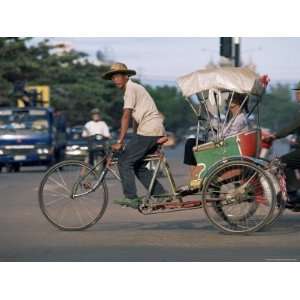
column 67, row 197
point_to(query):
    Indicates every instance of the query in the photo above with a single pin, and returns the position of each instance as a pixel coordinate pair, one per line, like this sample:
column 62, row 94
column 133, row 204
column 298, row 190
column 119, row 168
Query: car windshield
column 75, row 134
column 23, row 121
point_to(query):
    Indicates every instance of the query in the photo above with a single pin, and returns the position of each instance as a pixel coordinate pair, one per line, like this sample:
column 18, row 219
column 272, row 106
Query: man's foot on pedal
column 133, row 203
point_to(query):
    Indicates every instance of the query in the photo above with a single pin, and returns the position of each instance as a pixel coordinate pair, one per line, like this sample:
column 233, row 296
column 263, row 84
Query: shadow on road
column 286, row 225
column 168, row 225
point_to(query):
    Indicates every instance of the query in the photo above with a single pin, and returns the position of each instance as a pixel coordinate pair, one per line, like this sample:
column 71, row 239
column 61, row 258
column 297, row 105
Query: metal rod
column 114, row 173
column 237, row 52
column 209, row 117
column 198, row 131
column 237, row 55
column 191, row 105
column 198, row 121
column 151, row 185
column 227, row 113
column 219, row 117
column 169, row 175
column 252, row 110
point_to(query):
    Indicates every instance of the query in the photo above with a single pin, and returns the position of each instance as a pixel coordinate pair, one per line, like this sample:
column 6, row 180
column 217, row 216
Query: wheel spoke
column 59, row 184
column 62, row 179
column 77, row 213
column 238, row 197
column 62, row 210
column 56, row 200
column 85, row 206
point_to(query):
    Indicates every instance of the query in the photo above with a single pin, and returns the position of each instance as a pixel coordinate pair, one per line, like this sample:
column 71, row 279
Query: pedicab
column 235, row 189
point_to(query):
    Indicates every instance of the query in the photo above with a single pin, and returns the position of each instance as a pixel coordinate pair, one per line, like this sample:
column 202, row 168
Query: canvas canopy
column 240, row 80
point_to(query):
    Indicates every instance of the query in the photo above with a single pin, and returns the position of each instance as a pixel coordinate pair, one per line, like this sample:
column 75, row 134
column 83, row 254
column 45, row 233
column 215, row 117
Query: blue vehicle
column 77, row 146
column 26, row 137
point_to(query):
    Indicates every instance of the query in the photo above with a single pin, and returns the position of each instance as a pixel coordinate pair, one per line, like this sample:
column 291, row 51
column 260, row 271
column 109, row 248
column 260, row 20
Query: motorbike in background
column 97, row 149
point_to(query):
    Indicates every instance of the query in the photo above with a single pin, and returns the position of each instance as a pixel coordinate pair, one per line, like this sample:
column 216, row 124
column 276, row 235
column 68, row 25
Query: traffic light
column 226, row 47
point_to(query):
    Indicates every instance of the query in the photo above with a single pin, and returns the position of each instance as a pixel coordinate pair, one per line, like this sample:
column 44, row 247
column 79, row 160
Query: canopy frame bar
column 234, row 118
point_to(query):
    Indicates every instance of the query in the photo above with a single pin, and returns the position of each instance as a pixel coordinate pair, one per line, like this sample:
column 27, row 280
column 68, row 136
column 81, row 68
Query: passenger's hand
column 269, row 139
column 117, row 147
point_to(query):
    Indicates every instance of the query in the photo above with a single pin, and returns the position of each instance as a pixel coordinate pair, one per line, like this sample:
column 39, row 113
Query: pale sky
column 167, row 58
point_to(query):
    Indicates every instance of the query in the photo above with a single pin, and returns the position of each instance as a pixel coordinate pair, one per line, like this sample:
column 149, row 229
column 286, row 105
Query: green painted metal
column 228, row 148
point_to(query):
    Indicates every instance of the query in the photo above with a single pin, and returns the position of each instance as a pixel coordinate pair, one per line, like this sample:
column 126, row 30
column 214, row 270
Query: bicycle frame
column 111, row 161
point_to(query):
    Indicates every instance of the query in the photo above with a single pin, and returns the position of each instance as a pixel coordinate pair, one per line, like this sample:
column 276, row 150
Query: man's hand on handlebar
column 117, row 146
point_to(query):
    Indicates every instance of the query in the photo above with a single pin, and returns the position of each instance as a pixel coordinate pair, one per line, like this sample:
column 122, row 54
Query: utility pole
column 230, row 51
column 226, row 47
column 237, row 52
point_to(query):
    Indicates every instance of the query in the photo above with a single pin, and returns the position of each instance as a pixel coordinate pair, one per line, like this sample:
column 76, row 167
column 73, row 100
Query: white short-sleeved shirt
column 93, row 128
column 145, row 112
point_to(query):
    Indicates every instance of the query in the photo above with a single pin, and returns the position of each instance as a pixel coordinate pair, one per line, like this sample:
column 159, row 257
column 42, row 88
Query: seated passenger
column 237, row 123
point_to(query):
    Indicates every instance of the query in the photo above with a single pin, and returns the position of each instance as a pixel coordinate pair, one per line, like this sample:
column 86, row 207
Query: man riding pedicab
column 140, row 109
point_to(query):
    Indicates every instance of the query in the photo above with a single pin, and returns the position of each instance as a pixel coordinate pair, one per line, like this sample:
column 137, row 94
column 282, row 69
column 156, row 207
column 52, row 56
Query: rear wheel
column 238, row 197
column 66, row 197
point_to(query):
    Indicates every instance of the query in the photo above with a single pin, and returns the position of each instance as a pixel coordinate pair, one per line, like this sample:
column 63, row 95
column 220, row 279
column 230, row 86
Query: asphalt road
column 124, row 234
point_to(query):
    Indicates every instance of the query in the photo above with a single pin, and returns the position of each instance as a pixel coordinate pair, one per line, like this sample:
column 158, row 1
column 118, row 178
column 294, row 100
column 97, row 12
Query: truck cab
column 26, row 137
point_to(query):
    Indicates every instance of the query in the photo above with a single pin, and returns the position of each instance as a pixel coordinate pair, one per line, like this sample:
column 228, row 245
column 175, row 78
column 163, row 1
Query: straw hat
column 118, row 68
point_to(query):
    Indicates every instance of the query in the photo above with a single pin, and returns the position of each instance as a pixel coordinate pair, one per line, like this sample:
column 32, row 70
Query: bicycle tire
column 63, row 165
column 235, row 228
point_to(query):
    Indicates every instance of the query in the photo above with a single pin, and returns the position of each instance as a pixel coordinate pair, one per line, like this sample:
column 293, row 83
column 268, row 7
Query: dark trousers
column 131, row 164
column 292, row 161
column 189, row 158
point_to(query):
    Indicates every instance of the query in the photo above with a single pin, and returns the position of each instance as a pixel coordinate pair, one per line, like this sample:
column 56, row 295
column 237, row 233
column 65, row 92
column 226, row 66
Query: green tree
column 178, row 115
column 277, row 107
column 76, row 84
